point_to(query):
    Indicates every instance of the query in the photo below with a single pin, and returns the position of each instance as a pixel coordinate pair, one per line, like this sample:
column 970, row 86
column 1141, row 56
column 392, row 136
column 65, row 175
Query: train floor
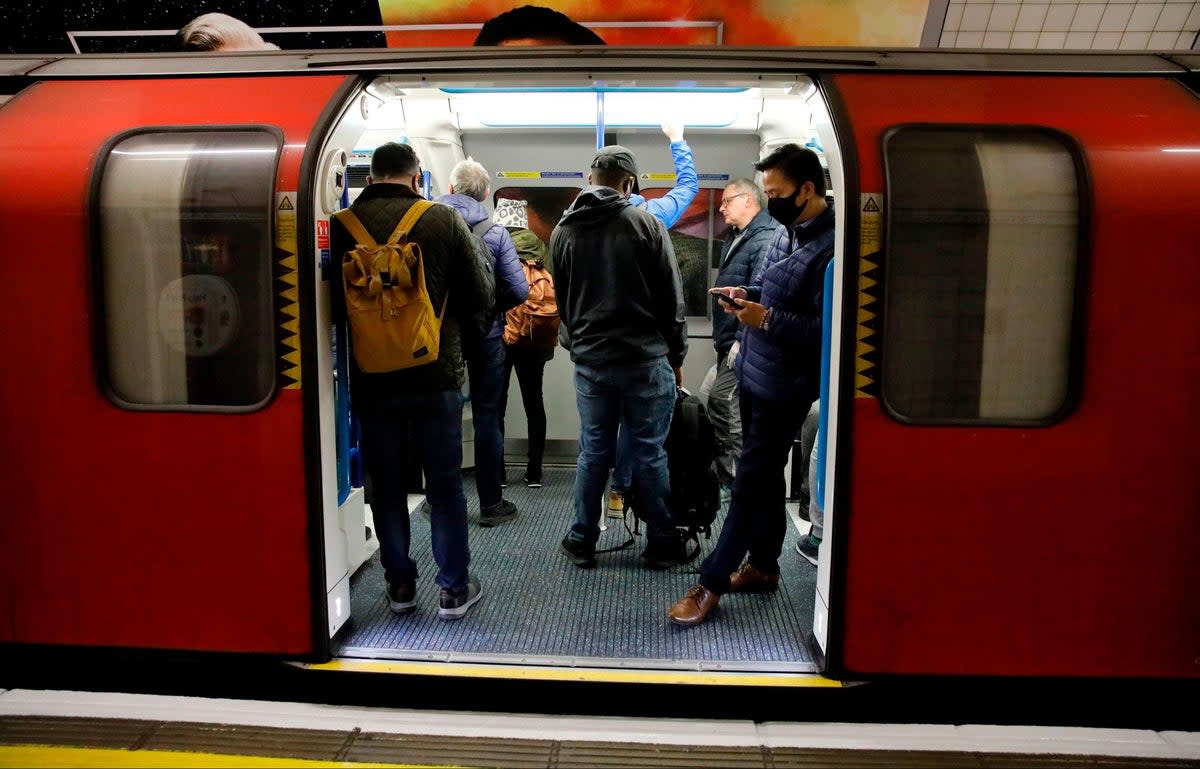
column 540, row 609
column 72, row 728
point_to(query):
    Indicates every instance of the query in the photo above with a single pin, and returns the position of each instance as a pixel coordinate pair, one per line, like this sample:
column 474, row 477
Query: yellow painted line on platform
column 39, row 756
column 596, row 675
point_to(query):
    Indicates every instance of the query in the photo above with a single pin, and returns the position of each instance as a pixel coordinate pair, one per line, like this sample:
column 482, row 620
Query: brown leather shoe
column 748, row 579
column 694, row 607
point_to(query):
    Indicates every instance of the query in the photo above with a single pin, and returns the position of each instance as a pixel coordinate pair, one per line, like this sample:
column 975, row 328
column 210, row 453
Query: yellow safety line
column 598, row 675
column 32, row 756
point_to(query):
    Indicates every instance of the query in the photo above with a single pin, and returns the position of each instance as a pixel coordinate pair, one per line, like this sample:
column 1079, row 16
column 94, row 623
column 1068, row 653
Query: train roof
column 623, row 64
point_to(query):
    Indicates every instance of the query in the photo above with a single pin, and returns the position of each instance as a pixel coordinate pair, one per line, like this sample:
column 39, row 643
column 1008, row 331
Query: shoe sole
column 402, row 608
column 533, row 485
column 495, row 520
column 810, row 558
column 580, row 561
column 458, row 612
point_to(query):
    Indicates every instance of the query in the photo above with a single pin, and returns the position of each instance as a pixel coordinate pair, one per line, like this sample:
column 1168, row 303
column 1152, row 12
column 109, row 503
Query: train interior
column 536, row 140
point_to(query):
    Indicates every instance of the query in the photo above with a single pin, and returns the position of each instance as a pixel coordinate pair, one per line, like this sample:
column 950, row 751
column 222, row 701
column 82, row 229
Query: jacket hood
column 472, row 210
column 594, row 204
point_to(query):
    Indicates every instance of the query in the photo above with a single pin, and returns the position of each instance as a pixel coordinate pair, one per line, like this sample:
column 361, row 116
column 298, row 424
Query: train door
column 161, row 497
column 1012, row 485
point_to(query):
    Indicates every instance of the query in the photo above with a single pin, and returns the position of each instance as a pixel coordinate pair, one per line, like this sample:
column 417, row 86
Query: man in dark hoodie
column 620, row 300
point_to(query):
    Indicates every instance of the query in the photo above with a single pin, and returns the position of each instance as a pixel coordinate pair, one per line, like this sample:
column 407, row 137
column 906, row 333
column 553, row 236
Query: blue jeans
column 641, row 399
column 757, row 519
column 485, row 370
column 622, row 477
column 437, row 418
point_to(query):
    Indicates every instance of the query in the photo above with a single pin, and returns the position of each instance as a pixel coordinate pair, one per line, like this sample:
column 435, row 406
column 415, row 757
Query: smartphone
column 726, row 301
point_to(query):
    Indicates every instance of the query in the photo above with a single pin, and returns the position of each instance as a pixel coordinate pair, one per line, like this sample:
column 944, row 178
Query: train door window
column 545, row 205
column 185, row 282
column 981, row 271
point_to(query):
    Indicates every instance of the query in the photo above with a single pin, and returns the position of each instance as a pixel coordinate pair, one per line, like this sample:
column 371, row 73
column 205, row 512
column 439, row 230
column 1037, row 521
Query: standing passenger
column 528, row 359
column 470, row 185
column 425, row 399
column 668, row 209
column 750, row 234
column 778, row 370
column 621, row 304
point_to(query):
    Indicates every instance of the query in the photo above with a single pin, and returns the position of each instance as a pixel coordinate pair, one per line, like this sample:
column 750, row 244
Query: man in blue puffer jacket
column 778, row 370
column 469, row 185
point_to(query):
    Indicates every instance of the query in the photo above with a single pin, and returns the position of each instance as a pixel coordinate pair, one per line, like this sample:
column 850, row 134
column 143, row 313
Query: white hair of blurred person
column 221, row 32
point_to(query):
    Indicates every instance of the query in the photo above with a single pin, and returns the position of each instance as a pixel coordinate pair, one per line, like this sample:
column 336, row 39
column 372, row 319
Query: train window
column 979, row 295
column 696, row 238
column 185, row 279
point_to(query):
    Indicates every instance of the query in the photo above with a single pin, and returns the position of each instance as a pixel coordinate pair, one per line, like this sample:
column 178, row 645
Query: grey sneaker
column 809, row 547
column 454, row 604
column 402, row 598
column 497, row 514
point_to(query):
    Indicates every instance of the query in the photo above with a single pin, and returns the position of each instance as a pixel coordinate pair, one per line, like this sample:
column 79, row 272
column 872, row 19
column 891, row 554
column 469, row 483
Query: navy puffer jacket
column 783, row 363
column 738, row 265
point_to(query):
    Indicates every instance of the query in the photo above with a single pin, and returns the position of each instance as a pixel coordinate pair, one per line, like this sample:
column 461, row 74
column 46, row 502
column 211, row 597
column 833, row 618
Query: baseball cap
column 614, row 156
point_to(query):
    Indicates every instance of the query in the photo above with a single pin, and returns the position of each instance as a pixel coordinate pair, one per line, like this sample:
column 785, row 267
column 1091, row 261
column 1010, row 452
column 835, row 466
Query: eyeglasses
column 726, row 201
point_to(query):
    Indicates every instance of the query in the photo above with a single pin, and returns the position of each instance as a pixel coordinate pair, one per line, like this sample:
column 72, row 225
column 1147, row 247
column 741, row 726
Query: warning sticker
column 871, row 226
column 519, row 175
column 659, row 177
column 285, row 203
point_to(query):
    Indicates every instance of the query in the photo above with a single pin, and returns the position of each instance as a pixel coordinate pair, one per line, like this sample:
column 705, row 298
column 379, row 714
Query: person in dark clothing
column 620, row 301
column 750, row 234
column 425, row 399
column 527, row 359
column 535, row 25
column 778, row 370
column 469, row 186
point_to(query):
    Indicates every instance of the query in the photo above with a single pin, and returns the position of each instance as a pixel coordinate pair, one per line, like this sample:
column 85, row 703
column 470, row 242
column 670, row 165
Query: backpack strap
column 354, row 227
column 480, row 229
column 409, row 220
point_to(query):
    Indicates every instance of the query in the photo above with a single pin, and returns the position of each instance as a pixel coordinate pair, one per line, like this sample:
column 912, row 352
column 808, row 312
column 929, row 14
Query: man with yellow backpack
column 410, row 277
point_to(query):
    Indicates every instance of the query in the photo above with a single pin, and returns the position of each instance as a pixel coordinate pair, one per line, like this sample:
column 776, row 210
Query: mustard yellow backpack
column 393, row 325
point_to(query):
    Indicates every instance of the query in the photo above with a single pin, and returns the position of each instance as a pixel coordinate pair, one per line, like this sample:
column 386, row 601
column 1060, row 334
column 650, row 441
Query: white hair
column 470, row 178
column 221, row 32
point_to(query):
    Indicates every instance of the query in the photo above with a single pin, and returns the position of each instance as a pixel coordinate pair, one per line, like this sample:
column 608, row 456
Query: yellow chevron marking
column 44, row 756
column 292, row 325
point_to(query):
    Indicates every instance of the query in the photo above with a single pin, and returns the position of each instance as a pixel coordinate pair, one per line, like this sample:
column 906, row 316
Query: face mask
column 784, row 210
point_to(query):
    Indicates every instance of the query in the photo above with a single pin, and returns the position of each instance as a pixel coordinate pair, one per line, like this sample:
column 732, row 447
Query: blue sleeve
column 511, row 286
column 670, row 207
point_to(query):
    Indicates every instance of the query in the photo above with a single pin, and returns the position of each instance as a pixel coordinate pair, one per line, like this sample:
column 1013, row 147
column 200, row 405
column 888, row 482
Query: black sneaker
column 497, row 514
column 809, row 547
column 665, row 553
column 533, row 480
column 402, row 598
column 583, row 556
column 453, row 604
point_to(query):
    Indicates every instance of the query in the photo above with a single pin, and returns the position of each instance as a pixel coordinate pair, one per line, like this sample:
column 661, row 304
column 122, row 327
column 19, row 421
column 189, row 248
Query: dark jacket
column 511, row 286
column 740, row 259
column 783, row 363
column 617, row 283
column 452, row 266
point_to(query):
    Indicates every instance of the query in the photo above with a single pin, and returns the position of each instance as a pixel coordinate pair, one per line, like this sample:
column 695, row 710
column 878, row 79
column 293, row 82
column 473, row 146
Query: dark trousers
column 757, row 520
column 485, row 372
column 530, row 365
column 386, row 426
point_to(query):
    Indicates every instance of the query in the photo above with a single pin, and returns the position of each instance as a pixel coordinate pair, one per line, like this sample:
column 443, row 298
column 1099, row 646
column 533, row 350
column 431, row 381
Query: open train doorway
column 536, row 140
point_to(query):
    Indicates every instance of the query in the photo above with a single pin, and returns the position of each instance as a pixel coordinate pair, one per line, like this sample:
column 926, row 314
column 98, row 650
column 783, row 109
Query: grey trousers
column 726, row 417
column 808, row 440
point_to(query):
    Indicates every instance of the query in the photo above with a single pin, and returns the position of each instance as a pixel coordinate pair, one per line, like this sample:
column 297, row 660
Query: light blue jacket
column 670, row 207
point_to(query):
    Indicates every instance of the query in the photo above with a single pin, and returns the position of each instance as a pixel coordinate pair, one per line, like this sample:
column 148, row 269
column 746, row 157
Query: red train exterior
column 117, row 524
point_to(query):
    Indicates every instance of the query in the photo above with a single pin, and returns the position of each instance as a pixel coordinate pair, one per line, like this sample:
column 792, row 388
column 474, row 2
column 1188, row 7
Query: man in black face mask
column 778, row 369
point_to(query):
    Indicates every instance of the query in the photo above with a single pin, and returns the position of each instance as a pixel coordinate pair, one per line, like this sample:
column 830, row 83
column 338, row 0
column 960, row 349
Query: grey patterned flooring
column 538, row 608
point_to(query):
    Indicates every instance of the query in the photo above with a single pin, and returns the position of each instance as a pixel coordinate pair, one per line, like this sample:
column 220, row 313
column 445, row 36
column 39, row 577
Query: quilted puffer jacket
column 453, row 267
column 511, row 286
column 784, row 362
